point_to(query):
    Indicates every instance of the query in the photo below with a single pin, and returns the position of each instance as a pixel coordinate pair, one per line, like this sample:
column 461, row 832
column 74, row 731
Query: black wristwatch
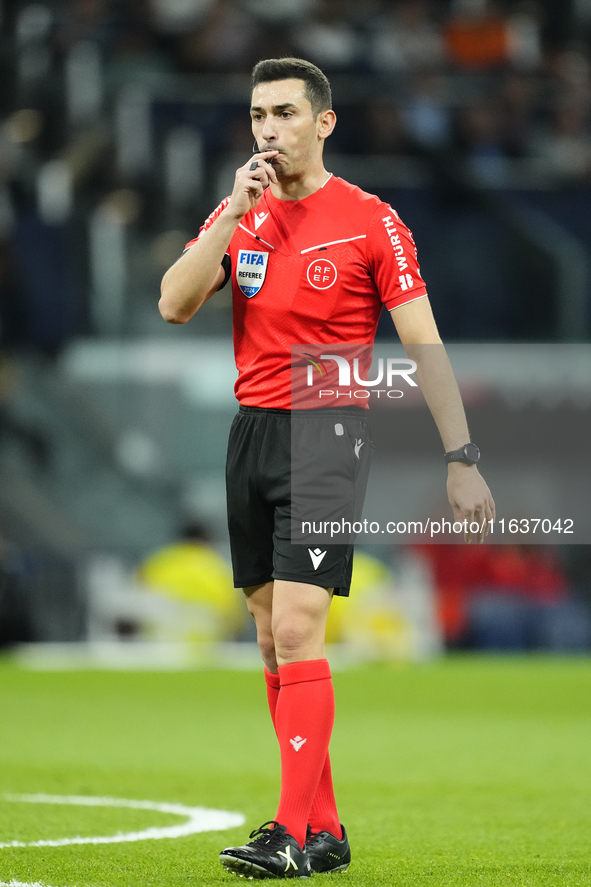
column 469, row 454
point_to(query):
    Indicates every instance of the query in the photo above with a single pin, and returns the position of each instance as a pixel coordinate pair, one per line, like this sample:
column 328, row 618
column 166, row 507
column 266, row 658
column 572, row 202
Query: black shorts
column 332, row 447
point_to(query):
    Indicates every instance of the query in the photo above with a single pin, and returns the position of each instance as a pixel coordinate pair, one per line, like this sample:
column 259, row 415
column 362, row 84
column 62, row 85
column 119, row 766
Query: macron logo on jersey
column 395, row 241
column 251, row 271
column 259, row 219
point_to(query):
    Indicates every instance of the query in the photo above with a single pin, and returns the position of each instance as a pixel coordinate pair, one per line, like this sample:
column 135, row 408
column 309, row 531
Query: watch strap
column 469, row 454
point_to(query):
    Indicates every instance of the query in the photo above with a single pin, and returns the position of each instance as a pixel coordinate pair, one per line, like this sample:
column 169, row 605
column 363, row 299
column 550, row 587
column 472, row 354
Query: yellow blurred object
column 371, row 619
column 195, row 575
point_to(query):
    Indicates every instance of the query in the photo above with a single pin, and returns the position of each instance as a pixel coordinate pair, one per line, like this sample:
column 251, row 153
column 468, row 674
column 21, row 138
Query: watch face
column 472, row 453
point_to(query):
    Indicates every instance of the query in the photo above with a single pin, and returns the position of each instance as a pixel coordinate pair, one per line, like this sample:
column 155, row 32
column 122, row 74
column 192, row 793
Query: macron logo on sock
column 297, row 742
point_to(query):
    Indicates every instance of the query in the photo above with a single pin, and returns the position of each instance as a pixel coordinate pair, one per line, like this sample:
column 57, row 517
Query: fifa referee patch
column 251, row 271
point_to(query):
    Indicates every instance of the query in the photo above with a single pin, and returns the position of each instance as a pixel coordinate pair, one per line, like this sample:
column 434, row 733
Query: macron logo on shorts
column 317, row 557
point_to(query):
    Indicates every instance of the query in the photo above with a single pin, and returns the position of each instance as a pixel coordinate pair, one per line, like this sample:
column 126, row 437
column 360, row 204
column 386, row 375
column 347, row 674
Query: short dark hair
column 317, row 86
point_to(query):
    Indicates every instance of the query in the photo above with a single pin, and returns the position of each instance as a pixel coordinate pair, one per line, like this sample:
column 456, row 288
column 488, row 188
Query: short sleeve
column 226, row 261
column 392, row 257
column 209, row 221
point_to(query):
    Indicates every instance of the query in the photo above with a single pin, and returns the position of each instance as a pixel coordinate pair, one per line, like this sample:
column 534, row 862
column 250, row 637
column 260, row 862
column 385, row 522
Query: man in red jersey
column 312, row 259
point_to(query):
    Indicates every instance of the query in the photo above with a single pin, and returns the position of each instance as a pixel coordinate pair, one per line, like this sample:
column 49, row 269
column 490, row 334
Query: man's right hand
column 197, row 275
column 251, row 183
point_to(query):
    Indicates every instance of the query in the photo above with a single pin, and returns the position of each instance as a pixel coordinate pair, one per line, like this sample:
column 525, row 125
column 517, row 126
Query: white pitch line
column 22, row 884
column 199, row 819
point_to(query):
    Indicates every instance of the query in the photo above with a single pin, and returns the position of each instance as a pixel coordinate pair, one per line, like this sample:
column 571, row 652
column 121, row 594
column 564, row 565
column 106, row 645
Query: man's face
column 282, row 120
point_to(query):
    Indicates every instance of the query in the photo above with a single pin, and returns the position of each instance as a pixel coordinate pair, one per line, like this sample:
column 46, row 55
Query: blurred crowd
column 498, row 91
column 408, row 603
column 509, row 597
column 489, row 80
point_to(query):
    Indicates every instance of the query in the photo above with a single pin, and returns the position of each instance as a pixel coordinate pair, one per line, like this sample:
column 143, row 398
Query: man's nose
column 269, row 133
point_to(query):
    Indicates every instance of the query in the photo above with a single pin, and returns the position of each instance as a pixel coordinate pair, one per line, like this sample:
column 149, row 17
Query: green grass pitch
column 466, row 771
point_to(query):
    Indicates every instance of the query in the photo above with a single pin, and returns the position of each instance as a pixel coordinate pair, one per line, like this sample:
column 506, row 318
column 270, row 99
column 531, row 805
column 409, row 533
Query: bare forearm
column 197, row 274
column 418, row 333
column 468, row 494
column 440, row 389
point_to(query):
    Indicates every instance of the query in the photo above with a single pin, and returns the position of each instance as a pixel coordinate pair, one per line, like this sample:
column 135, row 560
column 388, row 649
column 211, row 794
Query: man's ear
column 326, row 123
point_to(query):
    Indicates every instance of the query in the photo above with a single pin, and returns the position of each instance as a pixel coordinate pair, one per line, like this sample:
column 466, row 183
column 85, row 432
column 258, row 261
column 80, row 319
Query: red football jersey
column 317, row 271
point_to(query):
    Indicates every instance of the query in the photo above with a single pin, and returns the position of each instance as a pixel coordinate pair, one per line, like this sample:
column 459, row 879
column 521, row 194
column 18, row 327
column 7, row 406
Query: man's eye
column 286, row 114
column 257, row 116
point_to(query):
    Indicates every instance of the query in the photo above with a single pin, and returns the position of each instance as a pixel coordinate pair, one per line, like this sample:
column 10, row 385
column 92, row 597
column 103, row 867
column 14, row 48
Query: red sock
column 304, row 717
column 323, row 815
column 273, row 686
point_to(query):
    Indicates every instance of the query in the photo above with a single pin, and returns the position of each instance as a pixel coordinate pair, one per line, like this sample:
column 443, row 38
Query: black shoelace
column 268, row 836
column 312, row 837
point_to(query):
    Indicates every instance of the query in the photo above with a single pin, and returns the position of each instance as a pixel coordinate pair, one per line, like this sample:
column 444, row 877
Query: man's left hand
column 470, row 499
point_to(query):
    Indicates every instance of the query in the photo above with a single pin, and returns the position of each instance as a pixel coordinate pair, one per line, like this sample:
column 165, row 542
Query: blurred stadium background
column 121, row 125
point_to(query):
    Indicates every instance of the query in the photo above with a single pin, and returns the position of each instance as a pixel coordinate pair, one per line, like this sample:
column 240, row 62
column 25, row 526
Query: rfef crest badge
column 251, row 271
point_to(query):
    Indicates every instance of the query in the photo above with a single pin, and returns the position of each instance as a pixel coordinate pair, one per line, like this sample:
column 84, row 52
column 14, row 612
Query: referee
column 312, row 259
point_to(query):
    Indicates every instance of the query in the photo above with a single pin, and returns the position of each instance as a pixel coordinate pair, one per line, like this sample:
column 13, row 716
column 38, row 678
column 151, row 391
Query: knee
column 267, row 648
column 290, row 641
column 259, row 604
column 265, row 639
